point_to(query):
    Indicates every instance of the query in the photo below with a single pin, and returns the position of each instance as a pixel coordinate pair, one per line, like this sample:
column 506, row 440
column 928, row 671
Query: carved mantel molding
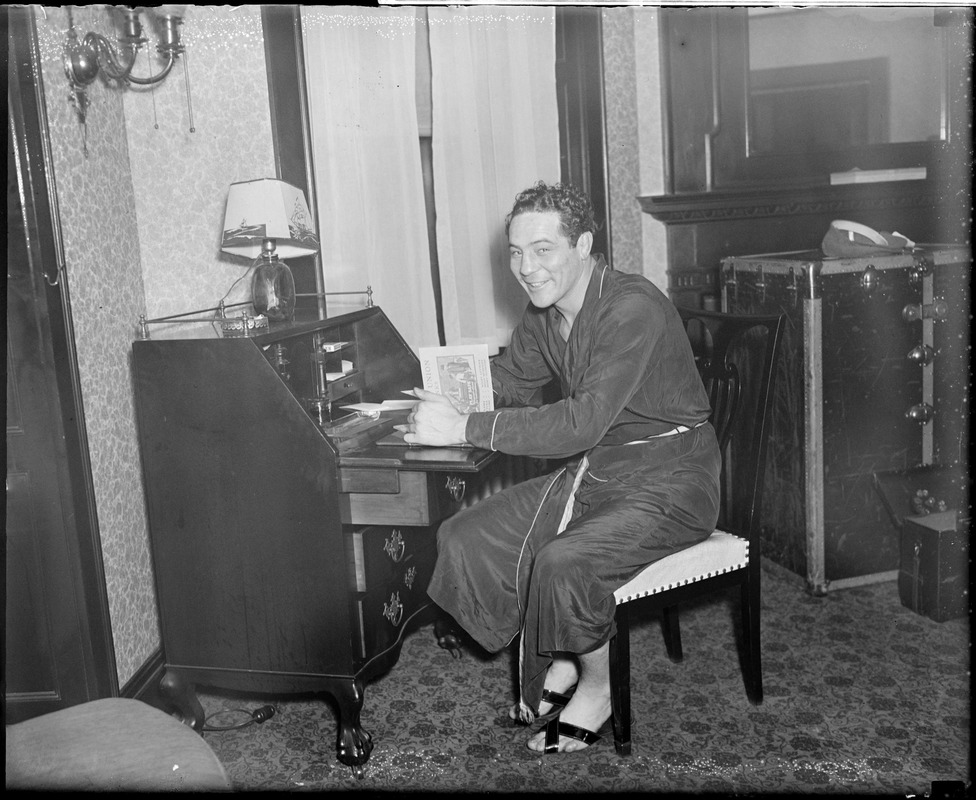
column 753, row 203
column 702, row 228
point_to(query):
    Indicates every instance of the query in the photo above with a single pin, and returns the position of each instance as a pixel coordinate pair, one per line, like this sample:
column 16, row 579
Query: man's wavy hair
column 574, row 208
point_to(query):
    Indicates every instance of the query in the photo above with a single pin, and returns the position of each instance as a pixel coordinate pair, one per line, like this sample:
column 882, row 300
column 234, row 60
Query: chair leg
column 620, row 681
column 749, row 601
column 672, row 632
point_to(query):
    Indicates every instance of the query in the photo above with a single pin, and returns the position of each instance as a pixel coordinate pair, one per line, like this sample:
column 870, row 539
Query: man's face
column 547, row 266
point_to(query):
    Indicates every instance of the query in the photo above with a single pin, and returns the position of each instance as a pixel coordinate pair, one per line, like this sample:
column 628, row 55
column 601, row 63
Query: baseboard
column 784, row 573
column 863, row 580
column 144, row 685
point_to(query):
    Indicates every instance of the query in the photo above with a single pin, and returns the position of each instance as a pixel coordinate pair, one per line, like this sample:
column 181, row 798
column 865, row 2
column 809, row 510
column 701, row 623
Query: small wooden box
column 933, row 579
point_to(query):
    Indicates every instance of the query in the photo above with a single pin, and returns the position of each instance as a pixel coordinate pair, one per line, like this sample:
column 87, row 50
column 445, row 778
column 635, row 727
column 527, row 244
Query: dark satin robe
column 627, row 372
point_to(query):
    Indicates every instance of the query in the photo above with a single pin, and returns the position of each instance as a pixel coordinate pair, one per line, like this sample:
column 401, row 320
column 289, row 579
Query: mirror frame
column 874, row 69
column 706, row 54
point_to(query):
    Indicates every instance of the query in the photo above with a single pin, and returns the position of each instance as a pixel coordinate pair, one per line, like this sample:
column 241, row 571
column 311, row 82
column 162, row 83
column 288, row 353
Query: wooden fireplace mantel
column 766, row 201
column 703, row 228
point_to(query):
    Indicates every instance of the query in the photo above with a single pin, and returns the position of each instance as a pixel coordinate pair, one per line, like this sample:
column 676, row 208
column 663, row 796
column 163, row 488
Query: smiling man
column 638, row 474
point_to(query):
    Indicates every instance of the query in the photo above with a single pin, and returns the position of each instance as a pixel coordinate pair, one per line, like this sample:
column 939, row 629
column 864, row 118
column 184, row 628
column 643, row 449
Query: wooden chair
column 736, row 356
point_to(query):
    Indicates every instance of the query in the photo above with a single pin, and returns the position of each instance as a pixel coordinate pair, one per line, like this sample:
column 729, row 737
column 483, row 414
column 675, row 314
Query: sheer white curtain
column 361, row 70
column 495, row 131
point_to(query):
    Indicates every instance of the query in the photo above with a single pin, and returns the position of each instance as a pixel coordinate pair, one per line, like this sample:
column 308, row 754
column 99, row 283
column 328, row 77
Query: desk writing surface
column 466, row 459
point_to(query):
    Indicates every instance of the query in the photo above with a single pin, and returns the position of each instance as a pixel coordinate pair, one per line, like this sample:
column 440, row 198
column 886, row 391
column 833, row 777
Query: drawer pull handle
column 394, row 546
column 393, row 611
column 921, row 413
column 456, row 487
column 409, row 577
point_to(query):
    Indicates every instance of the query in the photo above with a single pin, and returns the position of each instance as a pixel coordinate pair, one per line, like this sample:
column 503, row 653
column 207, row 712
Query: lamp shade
column 268, row 208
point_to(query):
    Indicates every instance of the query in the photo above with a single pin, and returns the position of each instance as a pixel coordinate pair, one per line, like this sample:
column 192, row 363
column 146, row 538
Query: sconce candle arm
column 122, row 70
column 83, row 59
column 107, row 59
column 170, row 61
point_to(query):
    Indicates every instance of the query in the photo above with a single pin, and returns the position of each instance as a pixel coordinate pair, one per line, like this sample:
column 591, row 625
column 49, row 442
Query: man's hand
column 434, row 421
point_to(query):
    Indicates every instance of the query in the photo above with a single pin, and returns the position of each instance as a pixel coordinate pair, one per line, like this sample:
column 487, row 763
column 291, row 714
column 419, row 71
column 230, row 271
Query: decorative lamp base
column 244, row 325
column 273, row 289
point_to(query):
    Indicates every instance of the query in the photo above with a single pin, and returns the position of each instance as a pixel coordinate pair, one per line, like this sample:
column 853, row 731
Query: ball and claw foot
column 448, row 637
column 355, row 745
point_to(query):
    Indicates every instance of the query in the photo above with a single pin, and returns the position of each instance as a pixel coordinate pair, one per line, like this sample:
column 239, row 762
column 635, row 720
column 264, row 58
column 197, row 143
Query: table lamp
column 267, row 219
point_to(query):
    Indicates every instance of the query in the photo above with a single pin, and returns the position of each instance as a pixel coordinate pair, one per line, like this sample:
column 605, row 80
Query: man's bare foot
column 561, row 676
column 590, row 705
column 584, row 711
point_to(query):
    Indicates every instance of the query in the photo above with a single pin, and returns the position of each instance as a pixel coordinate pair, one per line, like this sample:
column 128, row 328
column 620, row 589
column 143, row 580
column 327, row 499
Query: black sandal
column 558, row 701
column 556, row 728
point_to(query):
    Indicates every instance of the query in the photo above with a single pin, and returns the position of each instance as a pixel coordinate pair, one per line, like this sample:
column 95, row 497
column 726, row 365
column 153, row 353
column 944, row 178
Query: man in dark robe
column 640, row 478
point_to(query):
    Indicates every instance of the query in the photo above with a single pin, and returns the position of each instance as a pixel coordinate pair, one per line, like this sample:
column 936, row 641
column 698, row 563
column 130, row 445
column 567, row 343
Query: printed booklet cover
column 460, row 372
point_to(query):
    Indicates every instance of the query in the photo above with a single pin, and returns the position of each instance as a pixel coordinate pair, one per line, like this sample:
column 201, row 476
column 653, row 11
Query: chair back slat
column 722, row 387
column 736, row 355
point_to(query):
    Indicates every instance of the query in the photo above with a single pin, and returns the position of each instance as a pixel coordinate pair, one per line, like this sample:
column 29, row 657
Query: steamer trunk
column 851, row 400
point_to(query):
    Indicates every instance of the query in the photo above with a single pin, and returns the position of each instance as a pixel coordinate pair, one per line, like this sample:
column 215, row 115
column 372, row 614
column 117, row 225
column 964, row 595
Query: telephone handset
column 846, row 239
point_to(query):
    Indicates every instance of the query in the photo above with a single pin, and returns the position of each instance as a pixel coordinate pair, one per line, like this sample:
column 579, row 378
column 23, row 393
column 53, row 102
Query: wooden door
column 579, row 90
column 57, row 644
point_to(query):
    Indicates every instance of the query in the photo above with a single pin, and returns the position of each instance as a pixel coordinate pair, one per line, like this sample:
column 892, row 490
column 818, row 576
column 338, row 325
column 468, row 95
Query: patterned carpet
column 862, row 696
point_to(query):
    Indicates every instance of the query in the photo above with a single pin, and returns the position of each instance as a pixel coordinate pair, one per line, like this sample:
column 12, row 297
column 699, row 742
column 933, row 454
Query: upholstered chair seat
column 720, row 553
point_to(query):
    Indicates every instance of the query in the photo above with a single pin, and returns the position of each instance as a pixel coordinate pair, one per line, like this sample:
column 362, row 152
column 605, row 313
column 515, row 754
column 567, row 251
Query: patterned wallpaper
column 140, row 220
column 650, row 124
column 634, row 146
column 623, row 140
column 182, row 175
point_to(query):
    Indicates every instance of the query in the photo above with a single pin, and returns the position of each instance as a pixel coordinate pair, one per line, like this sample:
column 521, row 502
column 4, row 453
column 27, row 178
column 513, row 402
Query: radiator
column 504, row 472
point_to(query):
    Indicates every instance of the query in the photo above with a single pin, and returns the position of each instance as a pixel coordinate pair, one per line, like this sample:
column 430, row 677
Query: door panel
column 56, row 632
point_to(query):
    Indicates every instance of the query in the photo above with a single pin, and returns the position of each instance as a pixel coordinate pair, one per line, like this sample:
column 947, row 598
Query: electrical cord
column 259, row 715
column 213, row 322
column 231, row 289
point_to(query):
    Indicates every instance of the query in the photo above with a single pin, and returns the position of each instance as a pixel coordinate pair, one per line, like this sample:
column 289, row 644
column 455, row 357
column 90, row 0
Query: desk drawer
column 344, row 386
column 402, row 497
column 382, row 555
column 383, row 612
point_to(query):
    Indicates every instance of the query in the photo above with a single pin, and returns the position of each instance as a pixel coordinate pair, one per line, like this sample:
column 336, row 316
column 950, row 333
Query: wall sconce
column 266, row 218
column 92, row 54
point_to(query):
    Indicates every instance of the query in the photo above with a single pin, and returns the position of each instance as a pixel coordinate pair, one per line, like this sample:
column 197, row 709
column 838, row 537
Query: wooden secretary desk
column 291, row 548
